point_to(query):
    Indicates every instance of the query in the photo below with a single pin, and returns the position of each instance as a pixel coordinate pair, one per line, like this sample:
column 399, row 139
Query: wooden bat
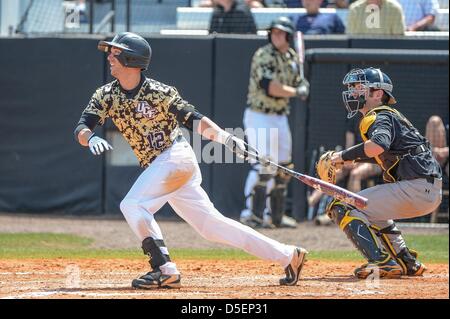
column 332, row 190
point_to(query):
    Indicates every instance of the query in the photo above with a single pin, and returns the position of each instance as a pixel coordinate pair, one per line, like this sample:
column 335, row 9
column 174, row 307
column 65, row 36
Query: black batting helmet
column 369, row 78
column 284, row 24
column 136, row 51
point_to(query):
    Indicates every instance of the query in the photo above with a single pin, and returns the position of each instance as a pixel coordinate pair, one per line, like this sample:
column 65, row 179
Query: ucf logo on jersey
column 146, row 110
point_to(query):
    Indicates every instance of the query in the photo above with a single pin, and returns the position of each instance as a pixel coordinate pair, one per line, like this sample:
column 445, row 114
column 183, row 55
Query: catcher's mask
column 356, row 96
column 136, row 51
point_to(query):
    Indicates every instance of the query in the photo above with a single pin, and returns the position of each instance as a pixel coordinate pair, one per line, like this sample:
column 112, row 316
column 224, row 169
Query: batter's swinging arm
column 332, row 190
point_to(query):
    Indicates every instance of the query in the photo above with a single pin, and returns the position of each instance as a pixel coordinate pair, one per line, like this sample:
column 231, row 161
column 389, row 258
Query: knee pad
column 336, row 211
column 152, row 248
column 277, row 203
column 281, row 177
column 259, row 195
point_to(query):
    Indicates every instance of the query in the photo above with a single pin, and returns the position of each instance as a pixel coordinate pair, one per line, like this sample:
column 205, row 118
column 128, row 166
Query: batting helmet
column 136, row 51
column 284, row 24
column 369, row 78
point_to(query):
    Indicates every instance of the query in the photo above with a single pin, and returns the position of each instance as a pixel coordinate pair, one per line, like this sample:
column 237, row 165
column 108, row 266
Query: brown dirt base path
column 90, row 278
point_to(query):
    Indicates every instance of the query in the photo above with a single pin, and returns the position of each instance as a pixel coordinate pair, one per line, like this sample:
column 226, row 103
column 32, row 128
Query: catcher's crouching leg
column 379, row 261
column 278, row 199
column 405, row 257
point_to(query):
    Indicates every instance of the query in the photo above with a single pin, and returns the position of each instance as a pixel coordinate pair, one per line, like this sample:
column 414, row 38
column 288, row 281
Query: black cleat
column 294, row 269
column 155, row 279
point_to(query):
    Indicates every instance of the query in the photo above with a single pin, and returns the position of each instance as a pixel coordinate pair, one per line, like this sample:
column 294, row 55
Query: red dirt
column 255, row 279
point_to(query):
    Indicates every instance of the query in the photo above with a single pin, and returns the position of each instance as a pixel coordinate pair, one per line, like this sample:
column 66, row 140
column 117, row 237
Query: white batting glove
column 235, row 144
column 97, row 145
column 303, row 90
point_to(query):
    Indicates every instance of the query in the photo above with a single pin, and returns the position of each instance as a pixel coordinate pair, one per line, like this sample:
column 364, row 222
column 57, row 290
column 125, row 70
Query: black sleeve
column 382, row 131
column 264, row 84
column 367, row 160
column 87, row 120
column 185, row 113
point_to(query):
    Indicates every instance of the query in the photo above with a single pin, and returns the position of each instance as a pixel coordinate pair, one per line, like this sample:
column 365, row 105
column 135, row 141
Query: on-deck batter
column 274, row 78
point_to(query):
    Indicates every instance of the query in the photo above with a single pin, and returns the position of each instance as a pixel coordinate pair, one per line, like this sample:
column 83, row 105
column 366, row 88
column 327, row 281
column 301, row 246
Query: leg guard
column 406, row 258
column 358, row 232
column 278, row 195
column 259, row 196
column 151, row 247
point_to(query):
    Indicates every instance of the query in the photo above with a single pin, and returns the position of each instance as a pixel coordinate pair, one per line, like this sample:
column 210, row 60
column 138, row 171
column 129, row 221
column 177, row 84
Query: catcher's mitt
column 325, row 169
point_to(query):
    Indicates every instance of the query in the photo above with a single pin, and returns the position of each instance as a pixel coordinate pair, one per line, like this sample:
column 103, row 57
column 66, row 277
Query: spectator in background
column 255, row 3
column 420, row 14
column 382, row 17
column 250, row 3
column 229, row 16
column 436, row 133
column 314, row 22
column 298, row 4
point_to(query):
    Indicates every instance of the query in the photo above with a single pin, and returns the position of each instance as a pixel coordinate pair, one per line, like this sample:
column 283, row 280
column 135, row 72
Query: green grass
column 432, row 249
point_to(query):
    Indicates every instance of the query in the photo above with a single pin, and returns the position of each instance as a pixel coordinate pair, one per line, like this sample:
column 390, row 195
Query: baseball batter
column 274, row 78
column 148, row 113
column 413, row 178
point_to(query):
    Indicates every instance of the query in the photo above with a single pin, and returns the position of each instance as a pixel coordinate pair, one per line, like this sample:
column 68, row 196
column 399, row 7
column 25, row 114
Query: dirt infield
column 90, row 278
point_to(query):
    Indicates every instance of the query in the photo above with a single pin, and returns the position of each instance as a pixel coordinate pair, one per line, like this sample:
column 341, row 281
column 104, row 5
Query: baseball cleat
column 294, row 269
column 413, row 266
column 417, row 270
column 389, row 270
column 155, row 279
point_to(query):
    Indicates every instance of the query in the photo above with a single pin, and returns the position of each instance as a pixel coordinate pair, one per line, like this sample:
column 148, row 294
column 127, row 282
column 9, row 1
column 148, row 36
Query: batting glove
column 237, row 145
column 97, row 145
column 303, row 90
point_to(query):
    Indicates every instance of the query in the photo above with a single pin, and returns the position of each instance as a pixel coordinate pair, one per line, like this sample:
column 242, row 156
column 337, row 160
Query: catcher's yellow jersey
column 144, row 120
column 271, row 64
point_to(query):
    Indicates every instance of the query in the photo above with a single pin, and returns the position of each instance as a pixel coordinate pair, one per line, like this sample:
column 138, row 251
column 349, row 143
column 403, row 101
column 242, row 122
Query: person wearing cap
column 149, row 114
column 274, row 79
column 412, row 177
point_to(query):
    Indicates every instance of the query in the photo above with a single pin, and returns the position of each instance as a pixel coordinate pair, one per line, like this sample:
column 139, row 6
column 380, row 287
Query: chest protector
column 388, row 161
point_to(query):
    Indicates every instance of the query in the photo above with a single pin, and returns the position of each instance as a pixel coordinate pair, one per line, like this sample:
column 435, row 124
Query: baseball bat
column 332, row 190
column 300, row 48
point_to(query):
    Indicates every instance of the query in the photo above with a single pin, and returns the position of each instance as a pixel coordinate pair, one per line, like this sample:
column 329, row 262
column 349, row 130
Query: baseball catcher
column 412, row 176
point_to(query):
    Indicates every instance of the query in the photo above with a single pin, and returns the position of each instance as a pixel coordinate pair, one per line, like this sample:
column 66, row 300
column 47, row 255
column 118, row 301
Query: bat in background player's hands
column 303, row 89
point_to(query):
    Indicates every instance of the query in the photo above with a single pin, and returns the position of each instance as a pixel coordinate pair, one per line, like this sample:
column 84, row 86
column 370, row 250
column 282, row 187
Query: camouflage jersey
column 269, row 63
column 148, row 120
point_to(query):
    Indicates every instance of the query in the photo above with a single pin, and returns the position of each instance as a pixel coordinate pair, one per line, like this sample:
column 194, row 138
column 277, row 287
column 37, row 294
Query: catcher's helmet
column 284, row 24
column 136, row 51
column 369, row 78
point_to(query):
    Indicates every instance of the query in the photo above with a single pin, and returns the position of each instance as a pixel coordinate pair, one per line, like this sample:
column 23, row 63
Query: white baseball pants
column 271, row 136
column 175, row 177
